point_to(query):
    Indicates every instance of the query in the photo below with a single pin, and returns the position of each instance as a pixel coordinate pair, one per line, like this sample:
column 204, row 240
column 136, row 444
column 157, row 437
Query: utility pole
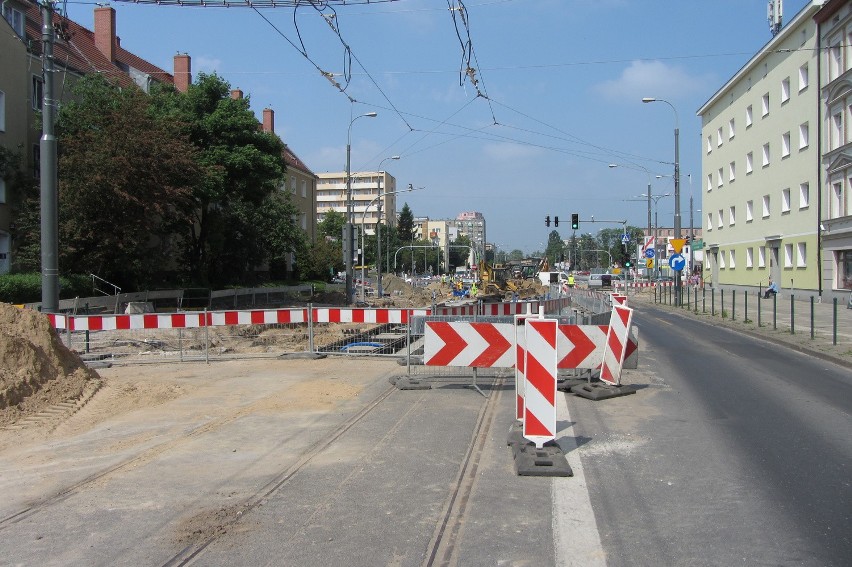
column 48, row 173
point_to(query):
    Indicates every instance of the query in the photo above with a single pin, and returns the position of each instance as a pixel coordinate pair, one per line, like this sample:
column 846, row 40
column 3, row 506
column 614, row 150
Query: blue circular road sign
column 677, row 262
column 649, row 252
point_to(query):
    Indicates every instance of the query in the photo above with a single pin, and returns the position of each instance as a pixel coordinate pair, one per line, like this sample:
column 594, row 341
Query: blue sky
column 564, row 81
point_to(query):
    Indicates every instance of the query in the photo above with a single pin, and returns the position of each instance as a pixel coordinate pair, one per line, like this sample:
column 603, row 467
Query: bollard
column 812, row 317
column 775, row 311
column 834, row 323
column 759, row 324
column 745, row 306
column 704, row 300
column 311, row 328
column 206, row 338
column 792, row 316
column 733, row 305
column 722, row 302
column 713, row 302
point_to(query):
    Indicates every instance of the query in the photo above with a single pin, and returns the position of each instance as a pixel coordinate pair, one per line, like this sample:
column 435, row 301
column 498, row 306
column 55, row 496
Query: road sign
column 649, row 253
column 677, row 262
column 482, row 345
column 625, row 238
column 649, row 263
column 648, row 243
column 677, row 244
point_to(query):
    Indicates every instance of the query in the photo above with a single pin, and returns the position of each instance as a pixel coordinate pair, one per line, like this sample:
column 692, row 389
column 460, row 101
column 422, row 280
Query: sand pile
column 36, row 369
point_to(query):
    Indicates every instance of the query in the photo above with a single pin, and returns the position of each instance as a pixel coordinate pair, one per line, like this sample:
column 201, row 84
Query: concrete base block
column 566, row 384
column 547, row 461
column 408, row 383
column 600, row 391
column 516, row 434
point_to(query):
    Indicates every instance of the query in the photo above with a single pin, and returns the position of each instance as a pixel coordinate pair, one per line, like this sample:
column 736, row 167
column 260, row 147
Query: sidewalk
column 806, row 327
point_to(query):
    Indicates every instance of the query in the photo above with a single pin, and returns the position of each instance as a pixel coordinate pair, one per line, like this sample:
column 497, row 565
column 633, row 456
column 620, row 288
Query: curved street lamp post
column 350, row 234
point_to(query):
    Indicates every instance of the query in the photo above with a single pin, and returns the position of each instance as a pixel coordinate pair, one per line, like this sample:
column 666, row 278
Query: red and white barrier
column 582, row 346
column 347, row 315
column 616, row 344
column 471, row 344
column 540, row 381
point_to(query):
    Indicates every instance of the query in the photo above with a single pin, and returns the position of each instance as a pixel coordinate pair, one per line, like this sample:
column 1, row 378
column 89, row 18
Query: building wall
column 835, row 34
column 366, row 187
column 13, row 122
column 760, row 178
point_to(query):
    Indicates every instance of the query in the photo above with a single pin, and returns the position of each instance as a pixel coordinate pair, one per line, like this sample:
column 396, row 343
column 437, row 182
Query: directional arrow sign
column 677, row 262
column 481, row 345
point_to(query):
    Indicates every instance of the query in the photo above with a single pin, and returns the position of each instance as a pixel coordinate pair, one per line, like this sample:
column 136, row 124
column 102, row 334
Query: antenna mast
column 775, row 13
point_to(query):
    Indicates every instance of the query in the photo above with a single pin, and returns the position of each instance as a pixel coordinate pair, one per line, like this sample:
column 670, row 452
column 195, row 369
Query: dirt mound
column 36, row 369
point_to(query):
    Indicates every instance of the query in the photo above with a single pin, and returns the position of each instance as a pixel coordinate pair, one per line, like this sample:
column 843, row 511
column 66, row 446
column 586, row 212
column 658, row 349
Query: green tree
column 22, row 196
column 332, row 224
column 459, row 256
column 241, row 167
column 321, row 260
column 405, row 224
column 125, row 184
column 555, row 248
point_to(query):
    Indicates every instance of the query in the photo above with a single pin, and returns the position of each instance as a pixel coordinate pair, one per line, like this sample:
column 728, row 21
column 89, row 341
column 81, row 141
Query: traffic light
column 575, row 221
column 547, row 220
column 555, row 221
column 628, row 263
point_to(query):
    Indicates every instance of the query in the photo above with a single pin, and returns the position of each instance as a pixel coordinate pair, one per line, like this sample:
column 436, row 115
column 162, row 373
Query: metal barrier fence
column 211, row 335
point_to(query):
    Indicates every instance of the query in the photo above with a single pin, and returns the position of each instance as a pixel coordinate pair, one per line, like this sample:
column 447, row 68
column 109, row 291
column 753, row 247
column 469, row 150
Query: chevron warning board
column 464, row 343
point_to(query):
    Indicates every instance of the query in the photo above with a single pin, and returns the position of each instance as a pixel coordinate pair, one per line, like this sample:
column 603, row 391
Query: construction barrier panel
column 540, row 380
column 616, row 344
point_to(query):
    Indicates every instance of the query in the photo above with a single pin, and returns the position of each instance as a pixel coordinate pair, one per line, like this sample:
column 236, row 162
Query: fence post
column 812, row 317
column 792, row 315
column 206, row 338
column 408, row 344
column 733, row 305
column 713, row 302
column 311, row 328
column 703, row 300
column 745, row 306
column 834, row 323
column 722, row 301
column 758, row 309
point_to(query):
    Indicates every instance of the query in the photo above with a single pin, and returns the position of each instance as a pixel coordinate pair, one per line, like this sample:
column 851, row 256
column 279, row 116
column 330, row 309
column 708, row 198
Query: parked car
column 600, row 280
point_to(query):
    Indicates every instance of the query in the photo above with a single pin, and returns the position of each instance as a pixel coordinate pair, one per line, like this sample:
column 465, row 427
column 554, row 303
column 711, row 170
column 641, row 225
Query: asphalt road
column 736, row 452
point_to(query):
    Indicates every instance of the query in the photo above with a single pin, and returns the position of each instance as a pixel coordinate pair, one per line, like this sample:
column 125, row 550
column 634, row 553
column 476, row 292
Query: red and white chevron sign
column 619, row 298
column 540, row 381
column 582, row 346
column 616, row 344
column 463, row 343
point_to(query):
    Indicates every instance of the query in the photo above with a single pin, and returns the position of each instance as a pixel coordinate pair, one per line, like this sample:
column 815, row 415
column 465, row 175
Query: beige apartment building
column 760, row 164
column 367, row 186
column 835, row 229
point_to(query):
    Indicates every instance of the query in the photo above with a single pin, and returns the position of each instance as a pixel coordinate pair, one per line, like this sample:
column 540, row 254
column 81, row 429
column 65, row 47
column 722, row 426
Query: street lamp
column 648, row 194
column 363, row 244
column 678, row 287
column 350, row 236
column 379, row 228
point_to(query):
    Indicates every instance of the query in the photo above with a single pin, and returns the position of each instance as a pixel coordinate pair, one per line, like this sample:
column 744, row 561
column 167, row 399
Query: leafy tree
column 405, row 224
column 332, row 224
column 321, row 260
column 516, row 255
column 23, row 198
column 459, row 256
column 125, row 185
column 241, row 167
column 555, row 248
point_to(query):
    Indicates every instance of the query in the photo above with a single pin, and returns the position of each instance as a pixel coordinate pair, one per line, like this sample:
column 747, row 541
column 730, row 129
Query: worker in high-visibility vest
column 570, row 280
column 473, row 289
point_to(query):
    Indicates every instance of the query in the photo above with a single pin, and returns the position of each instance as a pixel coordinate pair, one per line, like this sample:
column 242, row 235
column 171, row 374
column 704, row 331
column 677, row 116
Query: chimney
column 183, row 72
column 105, row 31
column 269, row 120
column 236, row 94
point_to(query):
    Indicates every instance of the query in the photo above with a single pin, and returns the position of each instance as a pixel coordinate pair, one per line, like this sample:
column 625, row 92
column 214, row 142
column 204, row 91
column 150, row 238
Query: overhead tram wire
column 460, row 11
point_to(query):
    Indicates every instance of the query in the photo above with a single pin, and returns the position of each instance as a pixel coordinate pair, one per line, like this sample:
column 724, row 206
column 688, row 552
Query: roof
column 292, row 160
column 75, row 50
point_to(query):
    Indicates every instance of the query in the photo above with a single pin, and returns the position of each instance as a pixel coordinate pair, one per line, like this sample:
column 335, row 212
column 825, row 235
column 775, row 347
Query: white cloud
column 652, row 78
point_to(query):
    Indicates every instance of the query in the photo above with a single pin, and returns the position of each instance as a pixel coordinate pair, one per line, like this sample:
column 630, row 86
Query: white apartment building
column 366, row 188
column 835, row 37
column 760, row 166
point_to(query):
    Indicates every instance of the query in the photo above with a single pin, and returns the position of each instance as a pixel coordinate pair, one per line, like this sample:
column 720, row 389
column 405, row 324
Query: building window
column 804, row 195
column 732, row 216
column 749, row 257
column 803, row 77
column 788, row 255
column 835, row 60
column 836, row 130
column 719, row 137
column 804, row 136
column 2, row 190
column 721, row 259
column 749, row 162
column 749, row 116
column 720, row 219
column 732, row 171
column 785, row 200
column 733, row 256
column 721, row 178
column 709, row 221
column 785, row 90
column 764, row 105
column 709, row 144
column 801, row 255
column 37, row 92
column 304, row 221
column 836, row 207
column 766, row 206
column 765, row 154
column 15, row 18
column 304, row 188
column 785, row 144
column 731, row 130
column 844, row 269
column 761, row 256
column 709, row 182
column 749, row 211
